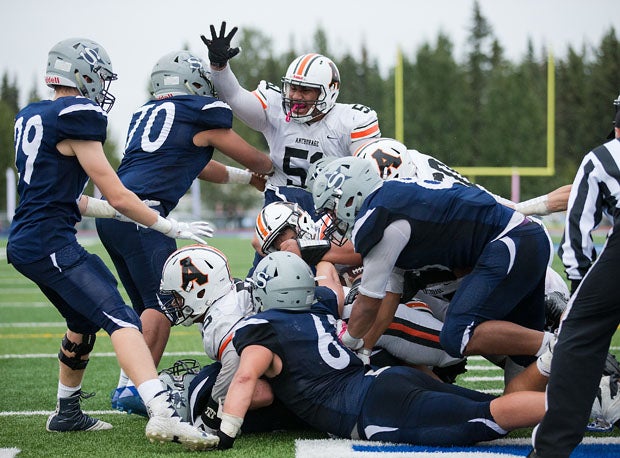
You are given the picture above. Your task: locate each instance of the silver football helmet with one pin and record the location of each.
(314, 71)
(341, 188)
(282, 280)
(390, 157)
(195, 276)
(83, 64)
(276, 217)
(316, 168)
(179, 73)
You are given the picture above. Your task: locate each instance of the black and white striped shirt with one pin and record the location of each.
(595, 191)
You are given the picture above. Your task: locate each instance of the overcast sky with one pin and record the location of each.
(137, 32)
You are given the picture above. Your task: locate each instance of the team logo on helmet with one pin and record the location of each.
(91, 56)
(191, 274)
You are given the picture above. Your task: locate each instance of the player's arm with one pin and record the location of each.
(254, 362)
(92, 158)
(235, 147)
(327, 276)
(344, 254)
(379, 265)
(555, 201)
(246, 105)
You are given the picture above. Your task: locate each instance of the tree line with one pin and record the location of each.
(482, 110)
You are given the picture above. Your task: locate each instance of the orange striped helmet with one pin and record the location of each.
(315, 71)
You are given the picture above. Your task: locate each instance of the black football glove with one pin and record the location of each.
(219, 46)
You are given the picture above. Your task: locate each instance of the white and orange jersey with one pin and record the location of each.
(222, 317)
(292, 145)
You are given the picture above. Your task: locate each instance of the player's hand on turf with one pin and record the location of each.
(219, 45)
(195, 230)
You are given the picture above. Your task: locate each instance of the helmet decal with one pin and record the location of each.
(191, 274)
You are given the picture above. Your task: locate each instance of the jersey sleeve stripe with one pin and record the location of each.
(225, 343)
(260, 98)
(368, 132)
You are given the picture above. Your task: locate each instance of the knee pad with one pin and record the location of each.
(84, 348)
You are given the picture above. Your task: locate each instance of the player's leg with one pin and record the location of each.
(509, 271)
(580, 353)
(138, 255)
(405, 405)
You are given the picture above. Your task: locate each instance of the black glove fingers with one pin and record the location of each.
(231, 35)
(223, 30)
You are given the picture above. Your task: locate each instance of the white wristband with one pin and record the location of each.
(161, 225)
(231, 424)
(238, 176)
(98, 208)
(535, 206)
(351, 342)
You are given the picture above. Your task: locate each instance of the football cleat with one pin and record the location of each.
(165, 425)
(127, 399)
(176, 379)
(606, 404)
(611, 366)
(69, 416)
(555, 304)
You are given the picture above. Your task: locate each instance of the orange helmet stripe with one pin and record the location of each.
(260, 225)
(303, 64)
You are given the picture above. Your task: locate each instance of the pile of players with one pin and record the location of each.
(378, 269)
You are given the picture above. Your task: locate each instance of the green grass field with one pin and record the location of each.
(30, 334)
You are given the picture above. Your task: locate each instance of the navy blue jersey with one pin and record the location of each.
(322, 381)
(326, 385)
(161, 160)
(50, 183)
(450, 226)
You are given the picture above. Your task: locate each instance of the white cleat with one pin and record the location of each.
(165, 425)
(607, 402)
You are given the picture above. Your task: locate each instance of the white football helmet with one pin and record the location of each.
(315, 71)
(180, 72)
(276, 217)
(341, 188)
(389, 156)
(195, 276)
(282, 280)
(83, 64)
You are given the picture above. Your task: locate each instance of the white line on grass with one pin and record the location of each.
(111, 354)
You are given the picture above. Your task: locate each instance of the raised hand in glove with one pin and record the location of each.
(194, 230)
(219, 46)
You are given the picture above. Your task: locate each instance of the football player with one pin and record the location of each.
(198, 282)
(293, 344)
(300, 119)
(400, 225)
(393, 160)
(59, 146)
(170, 142)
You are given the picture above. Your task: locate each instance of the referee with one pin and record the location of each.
(594, 308)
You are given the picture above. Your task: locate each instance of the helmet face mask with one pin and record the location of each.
(193, 278)
(85, 65)
(274, 218)
(282, 280)
(340, 190)
(181, 73)
(313, 71)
